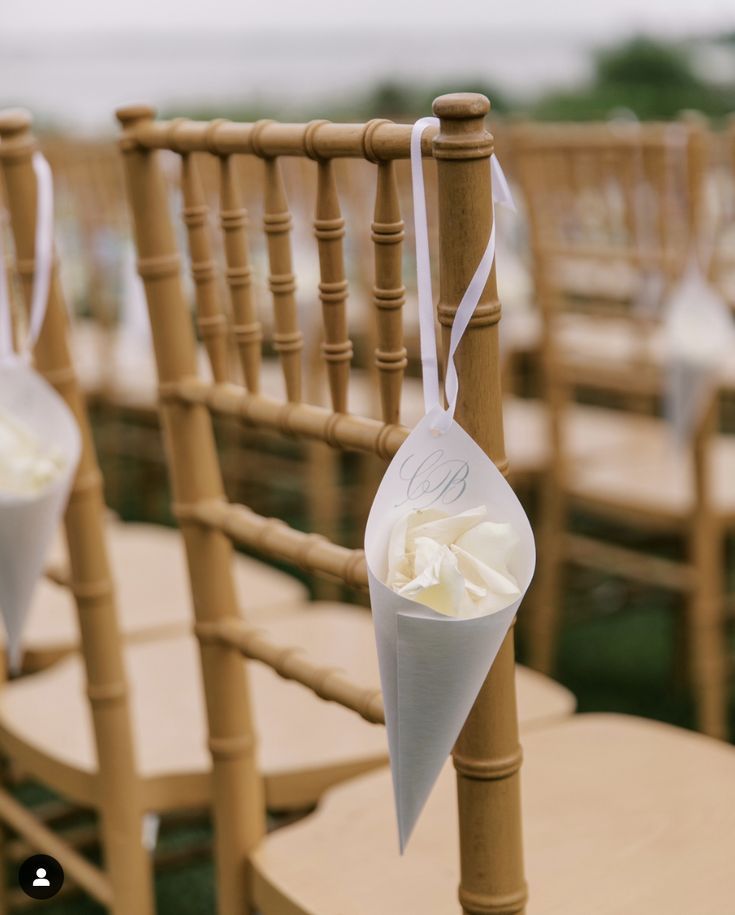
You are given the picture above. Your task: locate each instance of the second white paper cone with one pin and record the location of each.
(28, 522)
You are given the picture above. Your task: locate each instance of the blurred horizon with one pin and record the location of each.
(346, 72)
(72, 63)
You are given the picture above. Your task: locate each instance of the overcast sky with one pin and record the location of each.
(178, 54)
(574, 15)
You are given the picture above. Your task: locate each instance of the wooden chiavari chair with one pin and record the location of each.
(641, 479)
(597, 788)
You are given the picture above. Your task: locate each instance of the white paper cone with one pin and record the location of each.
(688, 386)
(698, 335)
(28, 522)
(432, 666)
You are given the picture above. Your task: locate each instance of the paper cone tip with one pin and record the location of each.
(15, 659)
(404, 834)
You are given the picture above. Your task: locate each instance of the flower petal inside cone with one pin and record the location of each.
(26, 467)
(455, 564)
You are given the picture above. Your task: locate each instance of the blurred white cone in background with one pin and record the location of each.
(698, 335)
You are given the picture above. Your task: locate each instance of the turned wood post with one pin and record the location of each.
(238, 799)
(246, 327)
(329, 231)
(389, 293)
(487, 755)
(120, 802)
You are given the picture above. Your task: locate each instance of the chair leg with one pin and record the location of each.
(706, 630)
(129, 865)
(544, 612)
(6, 864)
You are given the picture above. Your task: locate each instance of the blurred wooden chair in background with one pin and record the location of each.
(598, 788)
(622, 202)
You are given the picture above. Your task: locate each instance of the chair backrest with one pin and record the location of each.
(607, 203)
(90, 577)
(92, 223)
(616, 211)
(487, 756)
(612, 207)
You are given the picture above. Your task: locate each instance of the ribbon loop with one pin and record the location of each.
(43, 261)
(468, 304)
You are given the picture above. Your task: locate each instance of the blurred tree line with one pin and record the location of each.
(652, 78)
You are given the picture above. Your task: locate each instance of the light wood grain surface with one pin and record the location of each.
(150, 573)
(304, 744)
(620, 816)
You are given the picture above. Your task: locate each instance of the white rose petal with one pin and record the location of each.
(457, 564)
(446, 528)
(498, 590)
(25, 467)
(491, 542)
(402, 541)
(438, 584)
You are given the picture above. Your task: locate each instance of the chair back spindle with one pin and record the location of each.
(288, 340)
(389, 293)
(329, 230)
(246, 327)
(487, 756)
(210, 318)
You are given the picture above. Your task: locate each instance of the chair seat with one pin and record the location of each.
(620, 816)
(149, 567)
(520, 330)
(595, 349)
(305, 744)
(590, 432)
(644, 473)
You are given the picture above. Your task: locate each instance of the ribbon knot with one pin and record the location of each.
(43, 260)
(427, 333)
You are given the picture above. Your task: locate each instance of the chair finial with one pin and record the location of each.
(461, 105)
(129, 114)
(14, 121)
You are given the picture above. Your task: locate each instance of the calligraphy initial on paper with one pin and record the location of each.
(435, 478)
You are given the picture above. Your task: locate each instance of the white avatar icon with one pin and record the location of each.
(41, 879)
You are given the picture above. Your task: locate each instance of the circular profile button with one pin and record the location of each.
(40, 877)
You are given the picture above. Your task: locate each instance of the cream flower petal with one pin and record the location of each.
(454, 564)
(438, 584)
(402, 544)
(492, 543)
(25, 468)
(398, 566)
(500, 590)
(447, 528)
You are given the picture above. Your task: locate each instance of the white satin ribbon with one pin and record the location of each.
(466, 307)
(43, 261)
